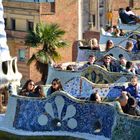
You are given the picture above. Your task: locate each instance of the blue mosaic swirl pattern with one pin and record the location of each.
(81, 88)
(87, 114)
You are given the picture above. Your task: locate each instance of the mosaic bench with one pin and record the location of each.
(82, 88)
(121, 41)
(95, 74)
(63, 113)
(83, 54)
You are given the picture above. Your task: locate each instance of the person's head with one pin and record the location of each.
(117, 32)
(129, 65)
(123, 61)
(107, 59)
(128, 9)
(121, 10)
(109, 45)
(123, 99)
(91, 59)
(95, 97)
(29, 85)
(134, 80)
(122, 33)
(132, 102)
(129, 46)
(115, 28)
(93, 43)
(120, 56)
(56, 84)
(69, 67)
(109, 29)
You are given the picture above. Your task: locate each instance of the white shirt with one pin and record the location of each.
(108, 34)
(129, 13)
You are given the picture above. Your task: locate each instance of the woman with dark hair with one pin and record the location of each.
(95, 97)
(28, 87)
(109, 45)
(56, 86)
(29, 90)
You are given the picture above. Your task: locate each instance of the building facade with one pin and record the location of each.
(79, 18)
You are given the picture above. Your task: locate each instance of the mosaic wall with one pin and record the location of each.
(60, 112)
(121, 40)
(99, 75)
(128, 27)
(95, 74)
(83, 54)
(127, 128)
(81, 88)
(63, 75)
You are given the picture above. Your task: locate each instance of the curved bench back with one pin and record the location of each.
(82, 88)
(61, 112)
(122, 40)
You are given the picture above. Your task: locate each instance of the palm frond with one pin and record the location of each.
(61, 44)
(42, 57)
(55, 56)
(33, 39)
(50, 36)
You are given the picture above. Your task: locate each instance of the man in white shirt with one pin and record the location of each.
(129, 11)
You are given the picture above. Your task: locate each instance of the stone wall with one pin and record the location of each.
(66, 15)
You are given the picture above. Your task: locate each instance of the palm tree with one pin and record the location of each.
(47, 37)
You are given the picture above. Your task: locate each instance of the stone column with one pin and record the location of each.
(80, 19)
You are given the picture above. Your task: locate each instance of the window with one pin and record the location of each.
(5, 22)
(13, 24)
(93, 20)
(22, 55)
(30, 25)
(52, 6)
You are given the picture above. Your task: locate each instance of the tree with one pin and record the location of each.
(46, 37)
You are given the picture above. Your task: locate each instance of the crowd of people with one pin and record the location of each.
(130, 97)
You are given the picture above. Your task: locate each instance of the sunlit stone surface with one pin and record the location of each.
(4, 50)
(8, 66)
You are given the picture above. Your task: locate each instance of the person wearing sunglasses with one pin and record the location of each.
(28, 87)
(55, 86)
(30, 90)
(107, 64)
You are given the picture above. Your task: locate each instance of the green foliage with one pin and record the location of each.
(49, 36)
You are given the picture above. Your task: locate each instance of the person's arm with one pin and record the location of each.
(23, 92)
